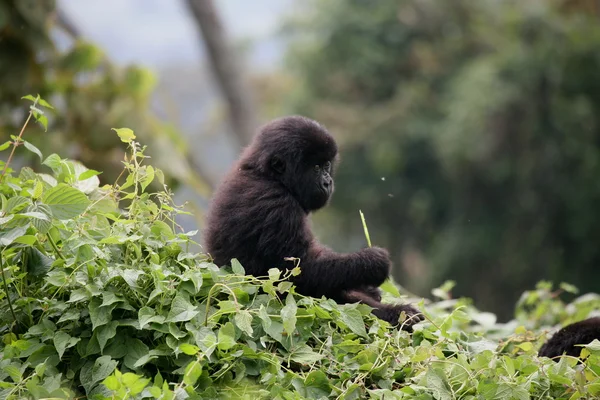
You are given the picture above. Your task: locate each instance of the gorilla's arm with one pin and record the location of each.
(284, 233)
(328, 273)
(565, 340)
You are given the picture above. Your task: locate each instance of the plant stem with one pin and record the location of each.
(15, 144)
(55, 247)
(10, 306)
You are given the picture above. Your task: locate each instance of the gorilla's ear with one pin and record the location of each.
(277, 165)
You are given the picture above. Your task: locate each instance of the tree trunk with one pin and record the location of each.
(225, 66)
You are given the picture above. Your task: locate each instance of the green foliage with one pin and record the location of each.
(106, 299)
(91, 93)
(470, 136)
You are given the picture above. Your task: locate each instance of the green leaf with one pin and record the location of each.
(88, 174)
(437, 383)
(288, 314)
(105, 333)
(125, 134)
(43, 225)
(103, 367)
(135, 384)
(33, 149)
(237, 267)
(317, 385)
(13, 372)
(53, 161)
(44, 103)
(136, 349)
(42, 119)
(148, 177)
(354, 320)
(192, 372)
(38, 264)
(243, 320)
(304, 354)
(226, 337)
(181, 310)
(63, 341)
(31, 98)
(65, 201)
(8, 236)
(189, 349)
(389, 287)
(5, 145)
(99, 315)
(147, 315)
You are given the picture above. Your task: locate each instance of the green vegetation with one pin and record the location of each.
(482, 118)
(103, 297)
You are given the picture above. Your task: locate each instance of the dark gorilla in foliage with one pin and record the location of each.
(565, 340)
(260, 215)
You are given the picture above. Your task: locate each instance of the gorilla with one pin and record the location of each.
(260, 215)
(565, 340)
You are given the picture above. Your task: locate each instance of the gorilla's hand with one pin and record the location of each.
(391, 314)
(379, 264)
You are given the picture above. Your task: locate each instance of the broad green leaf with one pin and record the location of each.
(16, 204)
(192, 372)
(437, 383)
(304, 354)
(41, 224)
(148, 177)
(389, 287)
(53, 161)
(181, 310)
(226, 336)
(354, 320)
(237, 267)
(31, 98)
(103, 367)
(5, 145)
(288, 314)
(112, 383)
(147, 315)
(42, 119)
(135, 384)
(63, 341)
(8, 236)
(33, 149)
(65, 202)
(125, 134)
(189, 349)
(88, 174)
(136, 349)
(38, 264)
(99, 315)
(243, 320)
(105, 333)
(44, 103)
(317, 385)
(38, 189)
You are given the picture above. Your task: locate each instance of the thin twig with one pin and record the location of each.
(16, 143)
(12, 311)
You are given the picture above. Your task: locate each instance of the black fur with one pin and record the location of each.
(564, 341)
(260, 215)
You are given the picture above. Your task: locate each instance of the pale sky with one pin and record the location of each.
(158, 33)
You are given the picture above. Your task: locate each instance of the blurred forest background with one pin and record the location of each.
(470, 130)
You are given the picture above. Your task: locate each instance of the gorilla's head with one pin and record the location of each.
(299, 153)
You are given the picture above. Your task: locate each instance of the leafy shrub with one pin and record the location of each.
(104, 297)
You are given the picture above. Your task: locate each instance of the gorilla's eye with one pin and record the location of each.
(317, 168)
(328, 165)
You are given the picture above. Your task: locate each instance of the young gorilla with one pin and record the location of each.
(259, 215)
(565, 340)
